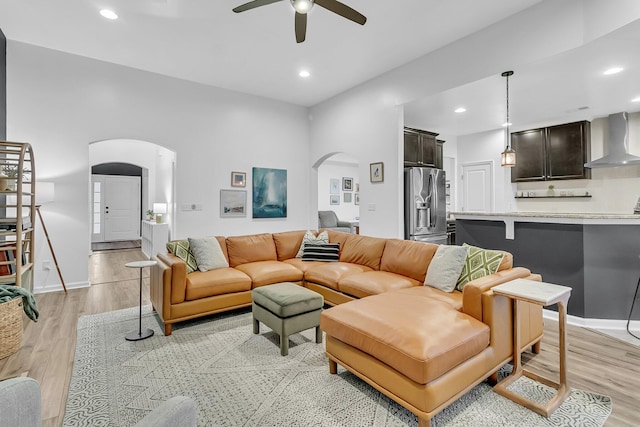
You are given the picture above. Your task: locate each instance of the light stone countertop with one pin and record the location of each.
(509, 218)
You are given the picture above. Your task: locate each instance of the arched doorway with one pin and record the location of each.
(339, 186)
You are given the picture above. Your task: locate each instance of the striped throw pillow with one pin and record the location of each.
(321, 252)
(309, 237)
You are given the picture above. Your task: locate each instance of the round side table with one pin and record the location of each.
(140, 334)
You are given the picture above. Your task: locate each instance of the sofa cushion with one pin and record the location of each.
(310, 237)
(269, 272)
(208, 253)
(419, 337)
(362, 250)
(324, 252)
(246, 249)
(454, 299)
(288, 243)
(479, 263)
(182, 250)
(445, 267)
(407, 258)
(362, 285)
(301, 265)
(330, 273)
(216, 282)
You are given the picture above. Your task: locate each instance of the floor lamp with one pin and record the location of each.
(45, 193)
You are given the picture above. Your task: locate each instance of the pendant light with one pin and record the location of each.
(509, 154)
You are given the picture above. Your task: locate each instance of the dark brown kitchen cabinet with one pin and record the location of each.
(439, 156)
(552, 153)
(419, 147)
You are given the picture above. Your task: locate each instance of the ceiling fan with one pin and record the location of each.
(304, 6)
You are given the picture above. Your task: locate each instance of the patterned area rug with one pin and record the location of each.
(239, 379)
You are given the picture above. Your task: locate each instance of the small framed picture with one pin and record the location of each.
(347, 184)
(334, 186)
(346, 197)
(356, 199)
(376, 172)
(357, 187)
(233, 203)
(334, 199)
(238, 179)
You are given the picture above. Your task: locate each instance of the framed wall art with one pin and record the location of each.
(356, 199)
(334, 199)
(347, 197)
(269, 193)
(347, 184)
(376, 172)
(233, 203)
(238, 179)
(334, 186)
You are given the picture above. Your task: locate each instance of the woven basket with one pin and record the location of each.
(10, 327)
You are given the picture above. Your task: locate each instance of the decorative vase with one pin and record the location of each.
(4, 182)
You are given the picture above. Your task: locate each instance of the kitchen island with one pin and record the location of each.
(596, 254)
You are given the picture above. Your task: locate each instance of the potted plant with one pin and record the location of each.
(9, 171)
(150, 214)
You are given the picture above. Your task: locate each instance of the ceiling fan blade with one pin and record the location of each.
(253, 5)
(342, 10)
(301, 27)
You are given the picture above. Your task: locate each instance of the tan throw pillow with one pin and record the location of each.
(181, 249)
(480, 262)
(309, 237)
(445, 267)
(208, 253)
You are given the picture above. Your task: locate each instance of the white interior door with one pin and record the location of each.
(116, 208)
(477, 187)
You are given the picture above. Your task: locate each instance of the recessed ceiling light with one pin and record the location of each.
(504, 125)
(109, 14)
(460, 110)
(613, 70)
(636, 99)
(304, 73)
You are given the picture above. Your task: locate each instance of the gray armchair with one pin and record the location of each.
(329, 219)
(20, 406)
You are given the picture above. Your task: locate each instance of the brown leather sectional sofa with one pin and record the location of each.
(388, 346)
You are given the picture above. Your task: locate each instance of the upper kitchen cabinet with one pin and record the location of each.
(552, 153)
(420, 148)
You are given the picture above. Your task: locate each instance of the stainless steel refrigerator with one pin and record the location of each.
(425, 216)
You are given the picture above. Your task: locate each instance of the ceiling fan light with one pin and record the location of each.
(302, 6)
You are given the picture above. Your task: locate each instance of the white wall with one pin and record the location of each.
(613, 190)
(337, 170)
(367, 120)
(60, 103)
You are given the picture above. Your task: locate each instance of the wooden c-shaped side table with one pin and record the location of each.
(543, 294)
(140, 334)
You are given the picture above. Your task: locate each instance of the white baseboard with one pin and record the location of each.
(593, 323)
(58, 287)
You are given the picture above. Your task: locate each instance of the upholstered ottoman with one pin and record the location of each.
(286, 308)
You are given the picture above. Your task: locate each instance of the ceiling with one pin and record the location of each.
(255, 51)
(561, 89)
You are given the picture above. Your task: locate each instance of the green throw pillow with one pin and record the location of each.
(480, 262)
(182, 250)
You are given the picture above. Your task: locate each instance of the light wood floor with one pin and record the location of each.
(596, 362)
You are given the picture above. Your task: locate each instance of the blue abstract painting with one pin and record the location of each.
(269, 193)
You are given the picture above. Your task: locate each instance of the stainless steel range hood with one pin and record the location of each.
(618, 145)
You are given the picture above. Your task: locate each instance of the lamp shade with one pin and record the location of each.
(45, 192)
(159, 208)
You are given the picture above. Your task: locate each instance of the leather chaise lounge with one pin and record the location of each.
(420, 346)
